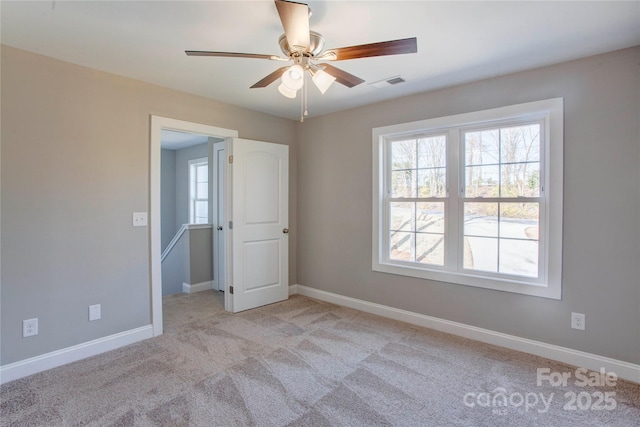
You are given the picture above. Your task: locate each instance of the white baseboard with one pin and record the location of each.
(197, 287)
(33, 365)
(624, 370)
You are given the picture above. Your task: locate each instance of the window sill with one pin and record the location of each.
(522, 287)
(197, 226)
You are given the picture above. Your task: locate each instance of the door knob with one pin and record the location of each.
(219, 228)
(285, 231)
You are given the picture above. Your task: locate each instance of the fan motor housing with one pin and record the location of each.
(315, 46)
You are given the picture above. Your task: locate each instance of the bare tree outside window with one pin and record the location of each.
(418, 172)
(502, 178)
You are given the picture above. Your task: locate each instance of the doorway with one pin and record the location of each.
(187, 260)
(255, 198)
(157, 125)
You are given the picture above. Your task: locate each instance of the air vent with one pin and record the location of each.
(390, 81)
(396, 80)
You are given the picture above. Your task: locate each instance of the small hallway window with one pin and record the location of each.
(199, 191)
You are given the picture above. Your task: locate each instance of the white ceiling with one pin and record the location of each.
(457, 42)
(174, 140)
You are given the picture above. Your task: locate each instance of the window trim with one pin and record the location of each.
(192, 164)
(551, 110)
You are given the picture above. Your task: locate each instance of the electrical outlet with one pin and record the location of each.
(577, 321)
(29, 327)
(94, 312)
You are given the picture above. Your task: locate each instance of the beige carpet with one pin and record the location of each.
(307, 363)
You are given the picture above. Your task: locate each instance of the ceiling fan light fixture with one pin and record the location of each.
(293, 78)
(285, 91)
(323, 80)
(306, 48)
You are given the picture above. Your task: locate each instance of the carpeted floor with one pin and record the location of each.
(304, 362)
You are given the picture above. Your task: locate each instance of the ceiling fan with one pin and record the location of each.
(305, 49)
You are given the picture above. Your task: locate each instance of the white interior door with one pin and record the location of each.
(259, 215)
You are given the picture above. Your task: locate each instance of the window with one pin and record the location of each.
(199, 191)
(473, 199)
(417, 199)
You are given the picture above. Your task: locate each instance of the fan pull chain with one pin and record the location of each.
(303, 100)
(306, 98)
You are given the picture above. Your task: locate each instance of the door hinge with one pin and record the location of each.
(231, 159)
(230, 225)
(231, 290)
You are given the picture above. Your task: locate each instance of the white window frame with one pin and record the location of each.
(193, 164)
(549, 282)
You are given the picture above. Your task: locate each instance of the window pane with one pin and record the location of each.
(519, 257)
(481, 219)
(203, 173)
(202, 191)
(520, 180)
(403, 183)
(430, 217)
(482, 147)
(520, 144)
(401, 246)
(192, 182)
(482, 181)
(402, 216)
(403, 154)
(432, 152)
(430, 248)
(481, 253)
(202, 209)
(519, 220)
(432, 182)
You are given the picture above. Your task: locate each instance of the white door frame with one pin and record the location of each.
(155, 245)
(217, 207)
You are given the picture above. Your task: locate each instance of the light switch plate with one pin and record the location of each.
(94, 312)
(139, 219)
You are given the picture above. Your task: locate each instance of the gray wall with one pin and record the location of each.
(200, 255)
(76, 141)
(601, 275)
(189, 261)
(176, 268)
(174, 199)
(167, 196)
(182, 180)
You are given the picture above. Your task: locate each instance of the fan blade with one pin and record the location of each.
(234, 55)
(295, 21)
(342, 77)
(393, 47)
(270, 78)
